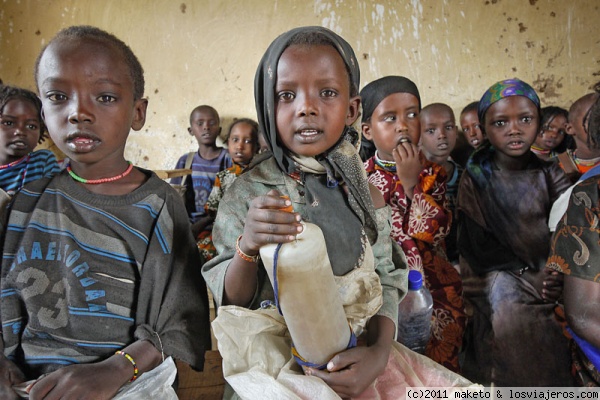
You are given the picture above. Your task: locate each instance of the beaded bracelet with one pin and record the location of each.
(244, 256)
(132, 361)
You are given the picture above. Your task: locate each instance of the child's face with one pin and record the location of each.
(240, 144)
(511, 125)
(575, 127)
(552, 134)
(87, 100)
(205, 127)
(20, 129)
(438, 133)
(469, 123)
(312, 99)
(395, 118)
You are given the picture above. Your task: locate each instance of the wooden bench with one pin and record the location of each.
(206, 385)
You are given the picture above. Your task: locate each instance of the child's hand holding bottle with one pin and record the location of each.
(269, 220)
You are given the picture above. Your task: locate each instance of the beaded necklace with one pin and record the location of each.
(23, 173)
(387, 165)
(12, 164)
(102, 180)
(539, 150)
(586, 162)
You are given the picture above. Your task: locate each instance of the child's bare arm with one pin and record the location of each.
(10, 375)
(351, 372)
(408, 166)
(99, 380)
(265, 224)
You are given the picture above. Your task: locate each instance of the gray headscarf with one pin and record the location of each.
(341, 164)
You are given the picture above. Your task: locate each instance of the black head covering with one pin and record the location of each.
(342, 163)
(376, 91)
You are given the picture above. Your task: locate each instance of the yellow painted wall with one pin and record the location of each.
(199, 51)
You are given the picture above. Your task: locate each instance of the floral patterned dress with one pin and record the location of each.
(420, 227)
(223, 180)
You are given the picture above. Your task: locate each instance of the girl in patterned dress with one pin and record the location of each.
(415, 188)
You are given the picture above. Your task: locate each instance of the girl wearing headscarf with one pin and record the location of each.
(306, 91)
(415, 189)
(504, 201)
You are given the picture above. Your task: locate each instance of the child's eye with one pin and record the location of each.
(56, 97)
(329, 93)
(389, 118)
(465, 130)
(247, 141)
(106, 98)
(285, 96)
(412, 115)
(449, 127)
(32, 127)
(498, 123)
(430, 131)
(527, 120)
(7, 123)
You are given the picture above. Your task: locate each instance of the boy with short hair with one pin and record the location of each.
(576, 162)
(438, 138)
(205, 126)
(100, 276)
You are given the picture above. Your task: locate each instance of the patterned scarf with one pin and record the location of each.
(503, 89)
(340, 177)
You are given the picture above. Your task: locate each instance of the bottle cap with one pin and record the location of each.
(415, 280)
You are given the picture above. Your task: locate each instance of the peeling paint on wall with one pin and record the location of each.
(206, 52)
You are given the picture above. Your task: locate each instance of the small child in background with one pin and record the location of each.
(438, 138)
(415, 189)
(205, 126)
(21, 130)
(242, 143)
(100, 275)
(505, 195)
(471, 126)
(578, 161)
(552, 138)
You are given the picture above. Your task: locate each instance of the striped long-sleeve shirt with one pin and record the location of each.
(85, 274)
(36, 165)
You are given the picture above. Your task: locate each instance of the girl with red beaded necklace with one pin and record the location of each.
(21, 129)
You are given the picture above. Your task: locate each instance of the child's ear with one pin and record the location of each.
(139, 114)
(365, 127)
(353, 110)
(569, 129)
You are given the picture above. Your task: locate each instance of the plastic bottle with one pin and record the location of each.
(414, 315)
(308, 295)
